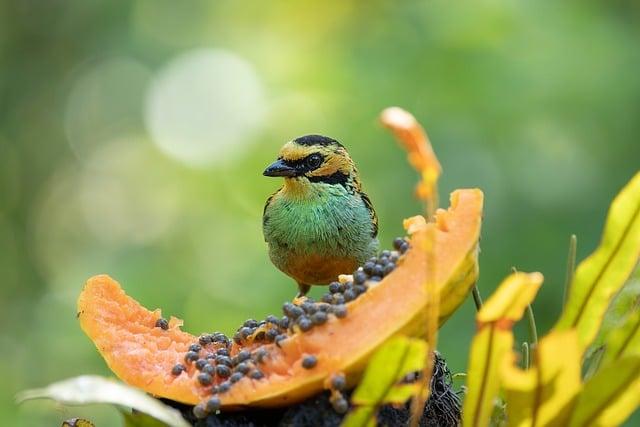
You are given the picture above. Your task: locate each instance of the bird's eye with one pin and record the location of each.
(314, 160)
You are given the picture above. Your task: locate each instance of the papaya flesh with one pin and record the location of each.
(296, 364)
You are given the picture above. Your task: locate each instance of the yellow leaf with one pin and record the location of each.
(542, 395)
(610, 396)
(624, 341)
(599, 277)
(493, 342)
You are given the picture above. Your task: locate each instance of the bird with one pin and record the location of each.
(320, 223)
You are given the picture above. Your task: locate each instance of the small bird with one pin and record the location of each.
(320, 223)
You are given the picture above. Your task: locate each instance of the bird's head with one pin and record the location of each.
(314, 158)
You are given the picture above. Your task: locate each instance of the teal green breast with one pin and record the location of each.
(326, 224)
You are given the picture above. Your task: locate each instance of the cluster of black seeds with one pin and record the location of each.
(218, 370)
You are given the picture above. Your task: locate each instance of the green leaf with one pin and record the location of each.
(391, 363)
(395, 359)
(140, 420)
(611, 396)
(89, 389)
(599, 277)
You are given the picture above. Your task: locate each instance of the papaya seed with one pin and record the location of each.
(359, 277)
(284, 322)
(368, 267)
(272, 319)
(250, 323)
(205, 339)
(340, 311)
(223, 360)
(177, 369)
(259, 355)
(404, 247)
(235, 377)
(222, 352)
(319, 317)
(338, 382)
(397, 242)
(338, 299)
(375, 278)
(328, 298)
(195, 348)
(280, 338)
(245, 332)
(200, 411)
(213, 404)
(223, 371)
(360, 289)
(242, 367)
(305, 323)
(309, 307)
(200, 363)
(340, 405)
(224, 387)
(209, 369)
(256, 374)
(309, 362)
(385, 253)
(241, 356)
(191, 356)
(394, 257)
(378, 270)
(389, 268)
(162, 324)
(335, 287)
(204, 378)
(349, 295)
(271, 334)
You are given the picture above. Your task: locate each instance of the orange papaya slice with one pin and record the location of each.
(261, 369)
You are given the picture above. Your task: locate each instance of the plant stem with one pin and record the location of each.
(571, 268)
(477, 299)
(526, 362)
(533, 331)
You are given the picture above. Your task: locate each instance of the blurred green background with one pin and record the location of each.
(133, 136)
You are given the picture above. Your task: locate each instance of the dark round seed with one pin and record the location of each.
(309, 307)
(201, 363)
(338, 299)
(223, 371)
(375, 278)
(335, 287)
(191, 356)
(259, 355)
(242, 356)
(243, 368)
(214, 389)
(272, 319)
(223, 360)
(204, 378)
(378, 270)
(271, 334)
(162, 324)
(256, 374)
(213, 404)
(328, 298)
(296, 312)
(305, 323)
(340, 405)
(324, 307)
(284, 322)
(340, 311)
(224, 387)
(222, 352)
(368, 267)
(200, 411)
(373, 259)
(280, 338)
(210, 356)
(389, 268)
(338, 382)
(383, 260)
(360, 289)
(251, 323)
(195, 347)
(245, 331)
(309, 362)
(177, 369)
(397, 242)
(404, 247)
(319, 317)
(385, 253)
(394, 257)
(219, 337)
(205, 339)
(359, 277)
(237, 338)
(209, 369)
(235, 377)
(349, 295)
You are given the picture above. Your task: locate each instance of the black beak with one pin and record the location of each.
(279, 168)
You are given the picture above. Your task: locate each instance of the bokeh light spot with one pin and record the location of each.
(205, 106)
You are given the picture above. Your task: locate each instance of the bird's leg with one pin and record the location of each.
(302, 292)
